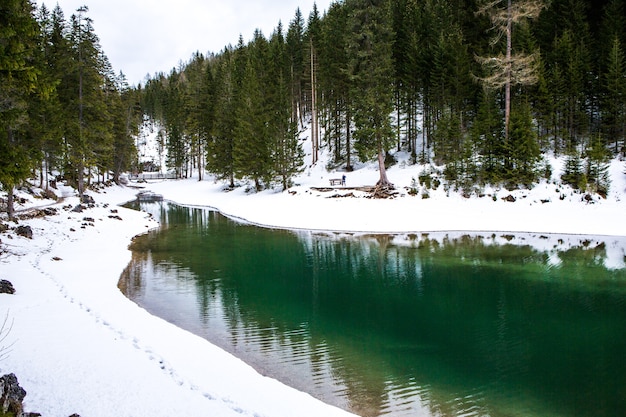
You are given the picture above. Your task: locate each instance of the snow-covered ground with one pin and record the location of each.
(77, 345)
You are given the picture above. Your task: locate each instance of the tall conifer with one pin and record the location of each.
(371, 69)
(18, 80)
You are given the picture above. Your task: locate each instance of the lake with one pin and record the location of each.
(428, 324)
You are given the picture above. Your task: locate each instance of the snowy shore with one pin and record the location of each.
(79, 346)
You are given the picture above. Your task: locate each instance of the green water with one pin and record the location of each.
(399, 326)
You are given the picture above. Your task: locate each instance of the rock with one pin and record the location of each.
(87, 199)
(6, 287)
(49, 194)
(509, 198)
(11, 396)
(24, 231)
(3, 227)
(50, 211)
(78, 209)
(89, 219)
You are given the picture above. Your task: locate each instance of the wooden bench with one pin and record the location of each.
(336, 181)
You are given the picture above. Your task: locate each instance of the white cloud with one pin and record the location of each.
(143, 37)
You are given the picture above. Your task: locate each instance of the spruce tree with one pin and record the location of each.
(486, 133)
(174, 120)
(598, 158)
(334, 84)
(84, 91)
(44, 110)
(286, 154)
(18, 80)
(220, 146)
(614, 97)
(573, 173)
(295, 56)
(525, 153)
(126, 122)
(250, 151)
(371, 74)
(313, 40)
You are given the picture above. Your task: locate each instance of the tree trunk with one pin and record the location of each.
(200, 167)
(46, 172)
(398, 115)
(10, 208)
(81, 179)
(383, 181)
(314, 122)
(507, 85)
(348, 147)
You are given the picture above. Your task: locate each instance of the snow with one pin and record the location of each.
(77, 345)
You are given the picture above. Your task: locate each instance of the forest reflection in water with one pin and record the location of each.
(424, 324)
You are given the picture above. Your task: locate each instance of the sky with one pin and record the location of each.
(144, 37)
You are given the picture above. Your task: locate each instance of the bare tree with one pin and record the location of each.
(509, 69)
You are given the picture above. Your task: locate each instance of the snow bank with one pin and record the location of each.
(547, 208)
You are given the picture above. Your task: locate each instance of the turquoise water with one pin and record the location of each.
(432, 325)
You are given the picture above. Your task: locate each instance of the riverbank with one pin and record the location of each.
(548, 208)
(79, 346)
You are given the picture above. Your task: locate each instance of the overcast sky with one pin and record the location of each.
(143, 37)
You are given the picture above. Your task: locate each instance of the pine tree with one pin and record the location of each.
(525, 153)
(286, 154)
(250, 150)
(295, 54)
(126, 122)
(614, 98)
(573, 173)
(83, 91)
(566, 43)
(334, 84)
(372, 81)
(486, 133)
(174, 121)
(198, 109)
(18, 80)
(44, 110)
(598, 158)
(313, 35)
(220, 146)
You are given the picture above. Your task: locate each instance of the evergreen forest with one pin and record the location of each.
(481, 90)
